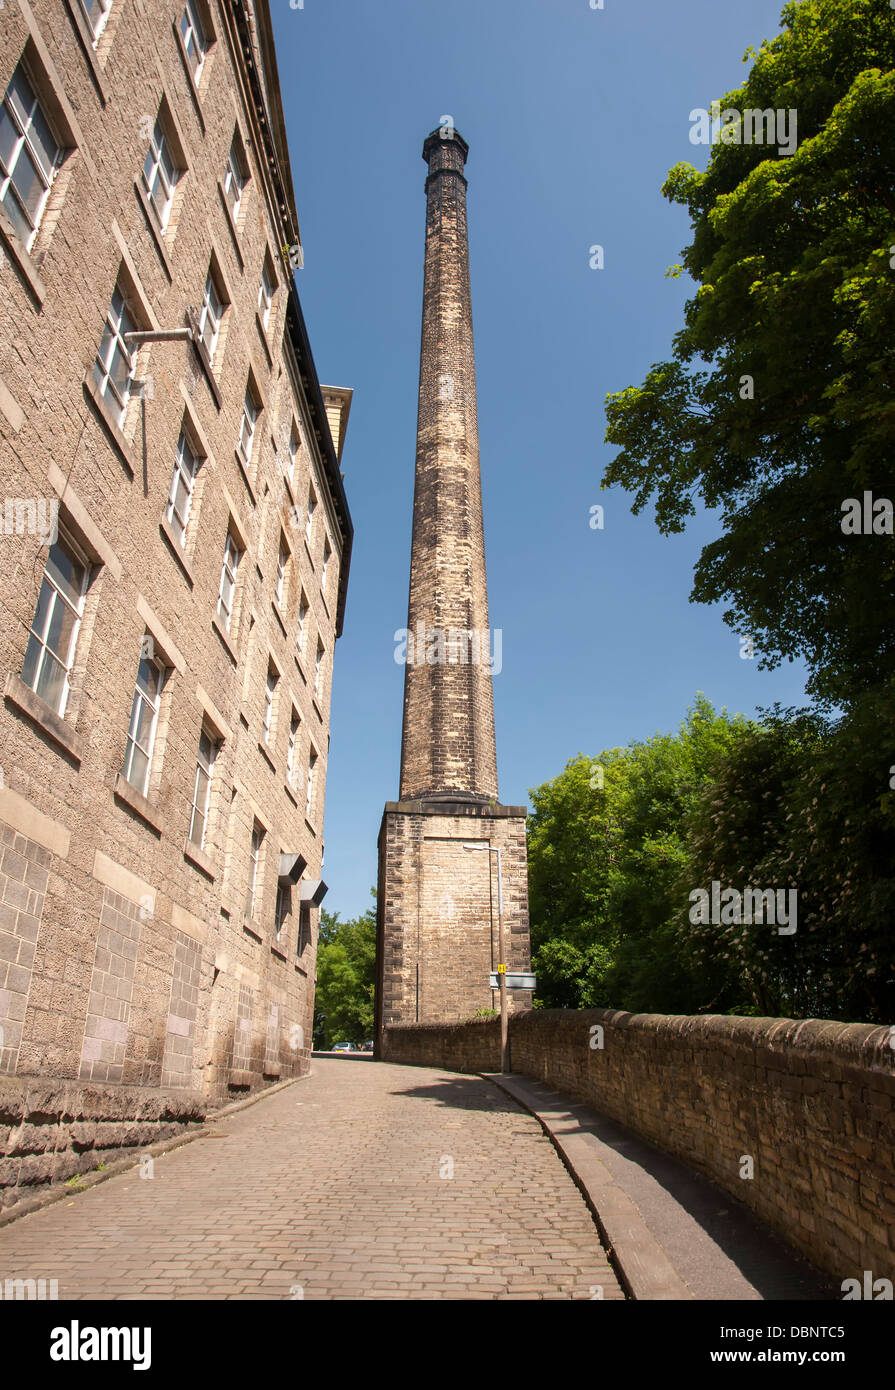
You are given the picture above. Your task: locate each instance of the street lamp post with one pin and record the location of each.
(501, 963)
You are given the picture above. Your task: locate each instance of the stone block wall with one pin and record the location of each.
(811, 1104)
(51, 1131)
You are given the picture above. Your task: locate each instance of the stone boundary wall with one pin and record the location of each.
(51, 1131)
(812, 1103)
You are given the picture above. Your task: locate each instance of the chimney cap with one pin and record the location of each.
(444, 135)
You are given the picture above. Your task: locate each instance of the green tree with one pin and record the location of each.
(792, 257)
(346, 974)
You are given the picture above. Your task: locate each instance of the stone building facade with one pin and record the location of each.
(440, 901)
(174, 553)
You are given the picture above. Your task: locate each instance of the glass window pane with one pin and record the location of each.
(66, 572)
(9, 137)
(44, 145)
(62, 625)
(21, 94)
(44, 608)
(148, 678)
(16, 215)
(29, 184)
(51, 685)
(32, 660)
(138, 769)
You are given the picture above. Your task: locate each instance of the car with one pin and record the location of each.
(367, 1046)
(343, 1047)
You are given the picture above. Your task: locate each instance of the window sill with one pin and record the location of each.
(301, 970)
(300, 668)
(325, 605)
(232, 225)
(243, 468)
(262, 749)
(194, 90)
(86, 38)
(279, 617)
(310, 827)
(291, 794)
(22, 258)
(138, 803)
(225, 640)
(275, 951)
(310, 556)
(200, 859)
(250, 931)
(123, 448)
(157, 234)
(168, 535)
(17, 693)
(262, 333)
(317, 710)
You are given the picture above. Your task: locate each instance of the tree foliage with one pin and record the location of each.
(346, 974)
(792, 257)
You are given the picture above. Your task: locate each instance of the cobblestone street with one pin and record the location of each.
(363, 1181)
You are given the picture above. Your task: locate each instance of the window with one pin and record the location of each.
(304, 928)
(265, 293)
(312, 507)
(210, 316)
(284, 902)
(202, 789)
(235, 178)
(312, 766)
(302, 622)
(294, 446)
(193, 34)
(327, 552)
(50, 653)
(250, 413)
(270, 691)
(291, 769)
(186, 466)
(115, 363)
(232, 555)
(318, 667)
(96, 12)
(254, 861)
(29, 157)
(160, 173)
(144, 721)
(282, 565)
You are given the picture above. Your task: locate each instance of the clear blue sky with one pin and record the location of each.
(573, 117)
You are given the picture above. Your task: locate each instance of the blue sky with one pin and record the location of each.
(573, 116)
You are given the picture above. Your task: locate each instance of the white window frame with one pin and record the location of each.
(248, 426)
(282, 570)
(312, 767)
(212, 311)
(294, 730)
(294, 446)
(254, 862)
(318, 666)
(327, 556)
(142, 697)
(119, 321)
(96, 29)
(194, 30)
(303, 610)
(23, 124)
(160, 147)
(188, 475)
(266, 291)
(312, 507)
(229, 570)
(235, 176)
(270, 695)
(46, 652)
(204, 765)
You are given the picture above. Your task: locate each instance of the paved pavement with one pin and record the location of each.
(364, 1180)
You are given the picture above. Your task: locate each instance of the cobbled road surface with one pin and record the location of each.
(364, 1180)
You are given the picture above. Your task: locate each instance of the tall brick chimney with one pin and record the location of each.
(438, 902)
(448, 748)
